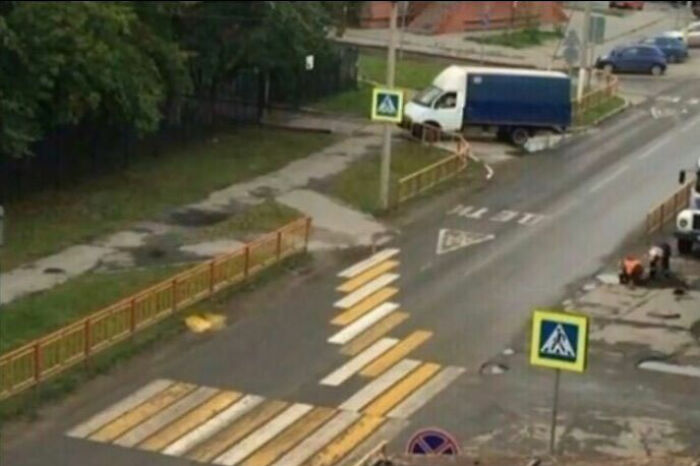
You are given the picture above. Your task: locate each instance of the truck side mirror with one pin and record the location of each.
(681, 177)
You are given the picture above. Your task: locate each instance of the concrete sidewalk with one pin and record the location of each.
(337, 226)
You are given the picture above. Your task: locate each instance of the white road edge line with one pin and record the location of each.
(356, 364)
(658, 366)
(598, 186)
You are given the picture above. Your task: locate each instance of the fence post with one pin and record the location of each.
(211, 277)
(37, 362)
(87, 338)
(279, 245)
(246, 262)
(307, 233)
(174, 294)
(132, 316)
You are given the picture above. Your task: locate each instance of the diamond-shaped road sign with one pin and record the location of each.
(387, 105)
(452, 240)
(559, 340)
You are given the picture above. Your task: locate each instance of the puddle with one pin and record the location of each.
(197, 217)
(54, 271)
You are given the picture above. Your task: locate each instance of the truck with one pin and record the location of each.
(513, 103)
(688, 221)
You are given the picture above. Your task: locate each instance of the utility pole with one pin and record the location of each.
(583, 69)
(386, 147)
(403, 27)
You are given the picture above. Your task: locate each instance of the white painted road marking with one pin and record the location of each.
(368, 263)
(213, 425)
(363, 323)
(529, 219)
(504, 216)
(424, 394)
(314, 443)
(598, 186)
(165, 417)
(116, 410)
(452, 240)
(366, 290)
(356, 364)
(658, 366)
(261, 436)
(375, 388)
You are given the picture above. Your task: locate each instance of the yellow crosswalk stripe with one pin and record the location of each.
(401, 390)
(347, 441)
(391, 357)
(236, 431)
(131, 419)
(374, 333)
(189, 421)
(363, 307)
(367, 276)
(290, 437)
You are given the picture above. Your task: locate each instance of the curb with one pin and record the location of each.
(610, 114)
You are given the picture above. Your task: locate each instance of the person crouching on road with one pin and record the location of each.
(631, 271)
(660, 260)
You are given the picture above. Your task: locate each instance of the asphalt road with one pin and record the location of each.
(554, 217)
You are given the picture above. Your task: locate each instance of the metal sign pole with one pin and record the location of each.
(555, 406)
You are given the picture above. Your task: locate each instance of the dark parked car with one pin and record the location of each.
(633, 58)
(674, 50)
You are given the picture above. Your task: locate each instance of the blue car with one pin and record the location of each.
(640, 58)
(674, 50)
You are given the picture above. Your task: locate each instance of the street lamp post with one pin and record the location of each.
(385, 169)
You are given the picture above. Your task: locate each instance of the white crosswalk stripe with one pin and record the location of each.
(368, 263)
(363, 323)
(367, 290)
(379, 385)
(425, 393)
(356, 364)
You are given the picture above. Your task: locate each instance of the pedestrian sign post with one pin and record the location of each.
(387, 105)
(560, 342)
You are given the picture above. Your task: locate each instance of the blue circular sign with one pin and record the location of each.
(432, 442)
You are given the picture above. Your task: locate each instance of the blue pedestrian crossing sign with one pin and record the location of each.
(559, 340)
(387, 105)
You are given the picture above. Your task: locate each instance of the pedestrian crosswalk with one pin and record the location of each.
(226, 427)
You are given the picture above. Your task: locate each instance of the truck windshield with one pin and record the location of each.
(427, 96)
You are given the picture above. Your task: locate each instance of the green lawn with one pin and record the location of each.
(519, 39)
(47, 222)
(33, 316)
(411, 75)
(358, 185)
(265, 217)
(593, 114)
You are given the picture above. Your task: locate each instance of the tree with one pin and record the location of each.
(65, 62)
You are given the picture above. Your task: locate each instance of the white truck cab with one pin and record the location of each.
(688, 221)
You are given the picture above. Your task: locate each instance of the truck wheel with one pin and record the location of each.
(519, 136)
(685, 247)
(431, 132)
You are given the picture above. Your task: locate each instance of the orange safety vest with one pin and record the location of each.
(631, 265)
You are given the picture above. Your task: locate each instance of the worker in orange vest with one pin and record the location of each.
(631, 270)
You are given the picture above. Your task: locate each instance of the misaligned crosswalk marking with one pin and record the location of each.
(236, 431)
(366, 290)
(263, 435)
(350, 368)
(374, 333)
(388, 359)
(290, 437)
(370, 274)
(176, 410)
(213, 425)
(425, 393)
(401, 390)
(362, 324)
(142, 412)
(323, 435)
(368, 263)
(119, 408)
(365, 306)
(190, 421)
(375, 388)
(343, 444)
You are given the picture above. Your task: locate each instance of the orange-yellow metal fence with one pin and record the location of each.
(426, 178)
(595, 97)
(44, 357)
(666, 212)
